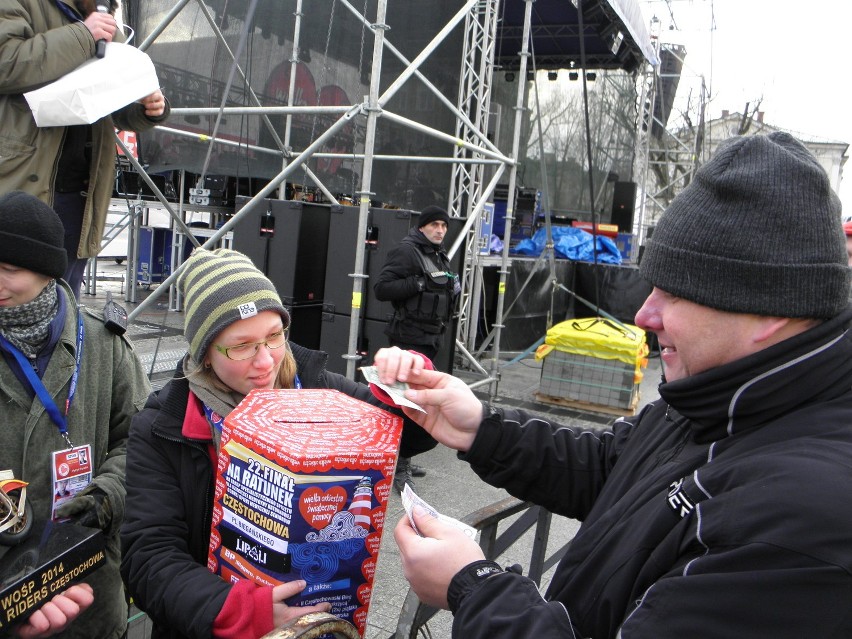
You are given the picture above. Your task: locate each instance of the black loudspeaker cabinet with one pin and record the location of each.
(306, 324)
(623, 202)
(335, 342)
(621, 289)
(385, 229)
(288, 241)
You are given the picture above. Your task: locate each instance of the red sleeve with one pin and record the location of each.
(383, 397)
(247, 613)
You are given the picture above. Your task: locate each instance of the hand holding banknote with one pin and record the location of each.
(410, 501)
(433, 549)
(395, 390)
(452, 412)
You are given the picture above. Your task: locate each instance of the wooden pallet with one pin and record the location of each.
(595, 408)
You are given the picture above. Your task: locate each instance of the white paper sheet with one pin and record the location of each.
(96, 88)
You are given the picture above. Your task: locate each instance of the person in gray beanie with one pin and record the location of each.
(757, 231)
(68, 388)
(237, 331)
(722, 508)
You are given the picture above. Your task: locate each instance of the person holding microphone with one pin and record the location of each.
(70, 168)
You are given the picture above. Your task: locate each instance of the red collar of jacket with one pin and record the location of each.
(195, 424)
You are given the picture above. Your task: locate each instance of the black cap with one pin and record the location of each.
(31, 235)
(432, 214)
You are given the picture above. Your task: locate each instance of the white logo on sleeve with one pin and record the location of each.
(247, 310)
(678, 500)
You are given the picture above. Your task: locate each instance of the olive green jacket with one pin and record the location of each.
(111, 388)
(39, 44)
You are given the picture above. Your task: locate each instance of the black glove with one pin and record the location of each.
(90, 509)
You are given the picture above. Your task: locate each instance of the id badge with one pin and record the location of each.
(72, 472)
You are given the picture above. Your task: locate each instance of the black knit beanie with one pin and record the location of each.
(432, 214)
(757, 231)
(220, 287)
(31, 235)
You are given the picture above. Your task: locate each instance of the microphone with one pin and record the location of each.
(100, 45)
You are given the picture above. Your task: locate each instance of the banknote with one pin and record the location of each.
(410, 500)
(395, 390)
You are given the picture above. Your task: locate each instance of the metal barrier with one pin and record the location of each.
(415, 614)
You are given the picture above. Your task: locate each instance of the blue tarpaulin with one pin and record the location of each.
(570, 243)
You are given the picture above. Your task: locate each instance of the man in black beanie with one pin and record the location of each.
(723, 508)
(417, 280)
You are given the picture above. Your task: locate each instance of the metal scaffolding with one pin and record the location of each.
(473, 152)
(671, 133)
(477, 149)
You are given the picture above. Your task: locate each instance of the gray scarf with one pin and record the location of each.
(221, 401)
(27, 326)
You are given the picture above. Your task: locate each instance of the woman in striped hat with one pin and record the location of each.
(236, 327)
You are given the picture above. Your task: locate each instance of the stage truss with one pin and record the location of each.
(477, 164)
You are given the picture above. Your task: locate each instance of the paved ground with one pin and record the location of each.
(449, 486)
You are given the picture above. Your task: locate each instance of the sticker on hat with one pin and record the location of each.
(247, 310)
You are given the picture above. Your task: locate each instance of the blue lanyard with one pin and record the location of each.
(38, 386)
(213, 418)
(68, 11)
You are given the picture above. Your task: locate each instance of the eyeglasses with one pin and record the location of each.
(249, 349)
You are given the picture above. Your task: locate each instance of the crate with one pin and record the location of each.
(589, 380)
(624, 242)
(155, 255)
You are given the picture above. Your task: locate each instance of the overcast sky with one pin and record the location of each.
(793, 55)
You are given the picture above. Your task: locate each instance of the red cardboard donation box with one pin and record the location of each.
(302, 484)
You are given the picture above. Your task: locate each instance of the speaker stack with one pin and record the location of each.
(623, 202)
(288, 241)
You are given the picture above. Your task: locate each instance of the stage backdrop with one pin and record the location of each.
(334, 67)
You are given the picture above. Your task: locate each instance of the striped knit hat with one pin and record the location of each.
(220, 287)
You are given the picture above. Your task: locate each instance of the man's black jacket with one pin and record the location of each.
(721, 510)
